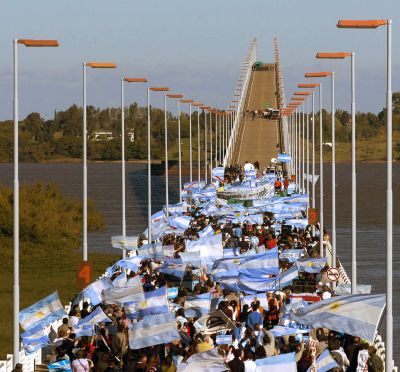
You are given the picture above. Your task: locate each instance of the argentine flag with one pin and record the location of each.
(95, 317)
(62, 365)
(207, 231)
(284, 279)
(196, 306)
(311, 265)
(42, 313)
(120, 280)
(153, 330)
(156, 302)
(356, 315)
(118, 295)
(279, 363)
(34, 339)
(324, 362)
(261, 264)
(173, 269)
(94, 290)
(254, 284)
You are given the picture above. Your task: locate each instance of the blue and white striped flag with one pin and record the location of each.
(285, 279)
(42, 313)
(253, 284)
(95, 317)
(311, 265)
(153, 330)
(279, 363)
(284, 158)
(94, 290)
(62, 365)
(124, 242)
(325, 362)
(260, 264)
(34, 339)
(85, 331)
(356, 315)
(118, 295)
(196, 306)
(209, 246)
(120, 280)
(156, 302)
(207, 231)
(173, 269)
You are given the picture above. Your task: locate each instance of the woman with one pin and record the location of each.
(80, 364)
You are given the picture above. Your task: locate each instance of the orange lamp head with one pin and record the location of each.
(197, 104)
(186, 100)
(308, 85)
(317, 74)
(301, 93)
(349, 23)
(101, 64)
(135, 80)
(174, 95)
(340, 55)
(38, 43)
(159, 89)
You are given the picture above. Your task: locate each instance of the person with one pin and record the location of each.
(18, 368)
(202, 345)
(236, 364)
(278, 185)
(254, 317)
(286, 183)
(119, 342)
(375, 363)
(85, 310)
(80, 364)
(63, 329)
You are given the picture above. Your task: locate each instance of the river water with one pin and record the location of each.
(104, 188)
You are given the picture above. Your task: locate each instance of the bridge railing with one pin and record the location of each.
(240, 107)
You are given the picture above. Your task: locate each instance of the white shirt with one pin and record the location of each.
(250, 366)
(248, 166)
(73, 322)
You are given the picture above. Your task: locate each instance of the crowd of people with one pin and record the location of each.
(252, 333)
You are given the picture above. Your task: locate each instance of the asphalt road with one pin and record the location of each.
(258, 138)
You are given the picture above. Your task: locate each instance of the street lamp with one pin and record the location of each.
(27, 43)
(372, 24)
(127, 80)
(204, 108)
(101, 65)
(153, 89)
(332, 75)
(178, 97)
(189, 101)
(308, 86)
(294, 106)
(343, 55)
(198, 105)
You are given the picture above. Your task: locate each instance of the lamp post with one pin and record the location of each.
(27, 43)
(332, 75)
(178, 97)
(123, 172)
(300, 101)
(308, 86)
(373, 24)
(204, 108)
(198, 105)
(101, 65)
(153, 89)
(211, 142)
(343, 55)
(189, 101)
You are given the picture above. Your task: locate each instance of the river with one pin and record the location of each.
(104, 185)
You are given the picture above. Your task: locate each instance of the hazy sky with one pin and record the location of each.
(195, 47)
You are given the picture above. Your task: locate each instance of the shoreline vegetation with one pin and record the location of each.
(50, 241)
(60, 139)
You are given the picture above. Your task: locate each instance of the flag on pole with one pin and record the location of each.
(42, 313)
(279, 363)
(260, 264)
(95, 317)
(311, 265)
(196, 306)
(325, 362)
(356, 315)
(153, 330)
(62, 365)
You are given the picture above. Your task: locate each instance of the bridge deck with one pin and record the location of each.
(258, 138)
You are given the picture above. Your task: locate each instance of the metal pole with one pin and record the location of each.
(216, 139)
(16, 213)
(84, 134)
(308, 148)
(353, 182)
(205, 146)
(148, 167)
(198, 147)
(211, 144)
(179, 151)
(333, 175)
(123, 163)
(313, 152)
(321, 177)
(166, 155)
(303, 149)
(389, 211)
(190, 144)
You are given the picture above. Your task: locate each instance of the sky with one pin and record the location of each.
(194, 47)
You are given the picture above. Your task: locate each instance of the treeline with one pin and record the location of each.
(61, 137)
